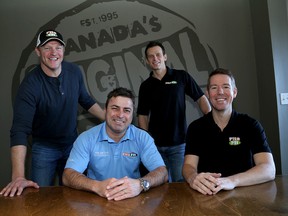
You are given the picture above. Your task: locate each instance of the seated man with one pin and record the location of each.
(112, 151)
(225, 149)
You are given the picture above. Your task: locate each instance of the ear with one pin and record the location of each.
(37, 51)
(235, 91)
(165, 57)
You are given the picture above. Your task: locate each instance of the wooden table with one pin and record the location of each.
(169, 199)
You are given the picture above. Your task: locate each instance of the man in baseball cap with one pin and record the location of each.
(49, 35)
(46, 107)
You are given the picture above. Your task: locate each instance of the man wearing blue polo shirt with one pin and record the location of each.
(111, 154)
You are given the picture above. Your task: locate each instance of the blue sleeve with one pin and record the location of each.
(85, 100)
(80, 154)
(23, 112)
(150, 155)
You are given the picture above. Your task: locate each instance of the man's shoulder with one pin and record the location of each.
(33, 78)
(138, 132)
(147, 83)
(202, 121)
(135, 128)
(243, 117)
(176, 72)
(70, 66)
(91, 132)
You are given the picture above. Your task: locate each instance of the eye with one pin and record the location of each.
(127, 111)
(114, 108)
(213, 87)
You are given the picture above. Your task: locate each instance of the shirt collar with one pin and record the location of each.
(103, 136)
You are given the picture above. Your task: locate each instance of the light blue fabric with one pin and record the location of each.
(105, 159)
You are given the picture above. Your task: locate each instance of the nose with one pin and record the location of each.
(120, 113)
(53, 51)
(153, 57)
(220, 90)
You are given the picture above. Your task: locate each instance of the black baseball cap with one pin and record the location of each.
(49, 35)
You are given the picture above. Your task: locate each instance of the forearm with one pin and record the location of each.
(143, 122)
(263, 171)
(18, 155)
(157, 176)
(97, 111)
(204, 104)
(189, 173)
(74, 179)
(256, 175)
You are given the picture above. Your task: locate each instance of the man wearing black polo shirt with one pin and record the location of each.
(226, 149)
(161, 107)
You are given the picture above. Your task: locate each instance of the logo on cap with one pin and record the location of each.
(49, 35)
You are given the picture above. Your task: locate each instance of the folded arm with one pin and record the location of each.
(263, 171)
(212, 183)
(113, 189)
(126, 187)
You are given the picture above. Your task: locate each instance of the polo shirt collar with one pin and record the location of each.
(168, 72)
(103, 136)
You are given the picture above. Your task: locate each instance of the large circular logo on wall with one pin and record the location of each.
(107, 40)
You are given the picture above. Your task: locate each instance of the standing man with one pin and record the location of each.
(226, 149)
(46, 107)
(111, 153)
(162, 107)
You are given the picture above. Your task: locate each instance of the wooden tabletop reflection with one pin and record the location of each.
(169, 199)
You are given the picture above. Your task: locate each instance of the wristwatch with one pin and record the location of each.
(144, 184)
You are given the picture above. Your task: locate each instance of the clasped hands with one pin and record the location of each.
(211, 183)
(119, 189)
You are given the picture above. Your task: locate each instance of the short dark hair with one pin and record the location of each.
(223, 72)
(120, 91)
(153, 44)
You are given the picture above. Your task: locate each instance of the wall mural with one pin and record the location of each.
(107, 40)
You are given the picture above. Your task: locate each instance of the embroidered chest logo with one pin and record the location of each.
(101, 154)
(233, 141)
(131, 154)
(171, 83)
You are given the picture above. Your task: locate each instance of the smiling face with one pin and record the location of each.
(221, 92)
(155, 58)
(119, 115)
(51, 56)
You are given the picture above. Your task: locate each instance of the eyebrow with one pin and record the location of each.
(120, 107)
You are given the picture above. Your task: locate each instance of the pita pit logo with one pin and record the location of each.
(107, 40)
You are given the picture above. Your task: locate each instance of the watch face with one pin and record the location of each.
(145, 184)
